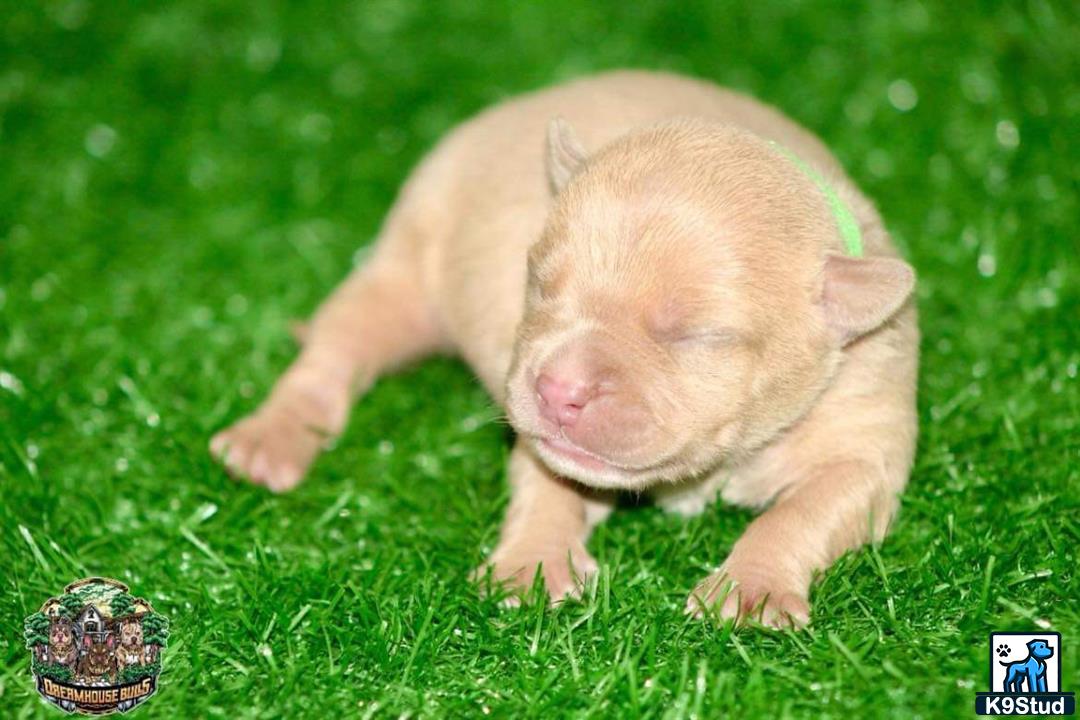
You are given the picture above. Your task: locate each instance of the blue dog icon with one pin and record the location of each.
(1031, 669)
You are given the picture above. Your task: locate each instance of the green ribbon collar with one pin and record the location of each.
(845, 220)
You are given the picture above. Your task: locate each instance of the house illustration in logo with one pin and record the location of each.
(90, 623)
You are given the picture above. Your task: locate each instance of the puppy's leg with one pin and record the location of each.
(834, 481)
(837, 505)
(376, 319)
(546, 526)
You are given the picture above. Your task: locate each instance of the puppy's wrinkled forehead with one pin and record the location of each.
(615, 238)
(684, 214)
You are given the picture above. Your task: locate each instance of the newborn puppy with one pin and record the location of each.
(680, 293)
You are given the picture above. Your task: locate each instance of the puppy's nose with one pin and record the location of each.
(561, 400)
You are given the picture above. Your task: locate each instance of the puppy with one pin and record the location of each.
(1031, 669)
(679, 293)
(130, 651)
(97, 660)
(62, 649)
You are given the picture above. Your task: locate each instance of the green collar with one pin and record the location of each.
(845, 220)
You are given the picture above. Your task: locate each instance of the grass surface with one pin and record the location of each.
(179, 180)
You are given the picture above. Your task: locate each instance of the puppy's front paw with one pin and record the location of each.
(750, 594)
(565, 570)
(272, 447)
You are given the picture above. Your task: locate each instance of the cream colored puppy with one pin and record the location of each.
(669, 295)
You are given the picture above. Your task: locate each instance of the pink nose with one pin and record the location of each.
(561, 400)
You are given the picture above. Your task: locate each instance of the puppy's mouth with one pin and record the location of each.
(565, 449)
(570, 460)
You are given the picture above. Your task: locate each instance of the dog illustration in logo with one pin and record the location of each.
(97, 659)
(131, 651)
(62, 649)
(1031, 669)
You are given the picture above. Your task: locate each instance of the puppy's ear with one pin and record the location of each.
(862, 293)
(565, 154)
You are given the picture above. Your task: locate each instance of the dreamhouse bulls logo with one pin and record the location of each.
(96, 649)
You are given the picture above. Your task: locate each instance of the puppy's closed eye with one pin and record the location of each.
(698, 337)
(703, 337)
(546, 279)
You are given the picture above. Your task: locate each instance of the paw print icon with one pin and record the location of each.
(1003, 650)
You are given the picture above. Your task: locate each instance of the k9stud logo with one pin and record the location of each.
(1025, 676)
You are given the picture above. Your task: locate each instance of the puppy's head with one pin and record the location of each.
(682, 305)
(60, 633)
(131, 633)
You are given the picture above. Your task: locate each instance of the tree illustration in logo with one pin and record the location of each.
(156, 630)
(36, 631)
(71, 604)
(122, 604)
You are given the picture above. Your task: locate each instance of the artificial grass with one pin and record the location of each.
(178, 180)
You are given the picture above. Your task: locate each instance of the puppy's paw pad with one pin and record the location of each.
(268, 448)
(749, 599)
